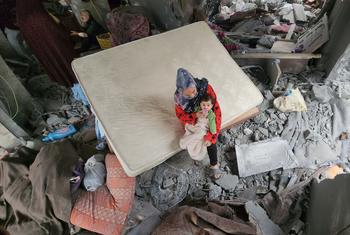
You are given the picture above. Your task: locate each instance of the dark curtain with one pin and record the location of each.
(49, 42)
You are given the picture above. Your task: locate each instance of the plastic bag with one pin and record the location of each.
(95, 172)
(291, 102)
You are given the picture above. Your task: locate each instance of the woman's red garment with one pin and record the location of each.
(49, 42)
(190, 118)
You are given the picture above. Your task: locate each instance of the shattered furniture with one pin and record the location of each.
(105, 210)
(131, 90)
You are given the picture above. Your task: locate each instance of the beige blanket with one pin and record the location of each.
(193, 139)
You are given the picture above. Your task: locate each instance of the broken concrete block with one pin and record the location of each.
(323, 93)
(299, 12)
(168, 183)
(292, 180)
(282, 116)
(258, 216)
(289, 17)
(283, 183)
(262, 190)
(214, 191)
(264, 156)
(228, 181)
(257, 136)
(247, 131)
(248, 194)
(272, 186)
(261, 118)
(285, 9)
(263, 131)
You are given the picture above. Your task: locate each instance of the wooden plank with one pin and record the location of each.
(242, 118)
(295, 56)
(283, 47)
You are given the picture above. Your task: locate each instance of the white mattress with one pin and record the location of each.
(131, 88)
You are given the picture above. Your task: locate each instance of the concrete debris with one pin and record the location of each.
(264, 156)
(177, 184)
(227, 181)
(299, 12)
(259, 217)
(345, 149)
(315, 37)
(276, 19)
(214, 191)
(263, 131)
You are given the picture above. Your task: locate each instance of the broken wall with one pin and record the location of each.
(329, 209)
(16, 104)
(339, 25)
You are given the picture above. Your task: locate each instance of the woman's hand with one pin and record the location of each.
(207, 143)
(199, 114)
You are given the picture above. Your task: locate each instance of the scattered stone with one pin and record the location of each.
(262, 190)
(257, 136)
(282, 116)
(168, 183)
(260, 119)
(272, 185)
(263, 131)
(292, 180)
(248, 194)
(258, 216)
(228, 181)
(199, 194)
(248, 131)
(214, 191)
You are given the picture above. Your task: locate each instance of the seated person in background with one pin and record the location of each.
(92, 29)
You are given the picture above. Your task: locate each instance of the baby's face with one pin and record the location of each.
(206, 105)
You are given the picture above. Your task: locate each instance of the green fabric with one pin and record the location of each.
(212, 122)
(211, 118)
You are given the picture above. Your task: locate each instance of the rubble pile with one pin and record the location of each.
(305, 132)
(55, 105)
(247, 26)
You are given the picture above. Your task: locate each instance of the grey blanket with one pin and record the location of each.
(37, 198)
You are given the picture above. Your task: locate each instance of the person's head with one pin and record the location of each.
(186, 84)
(207, 102)
(84, 16)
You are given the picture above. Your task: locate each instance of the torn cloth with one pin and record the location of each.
(191, 220)
(39, 196)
